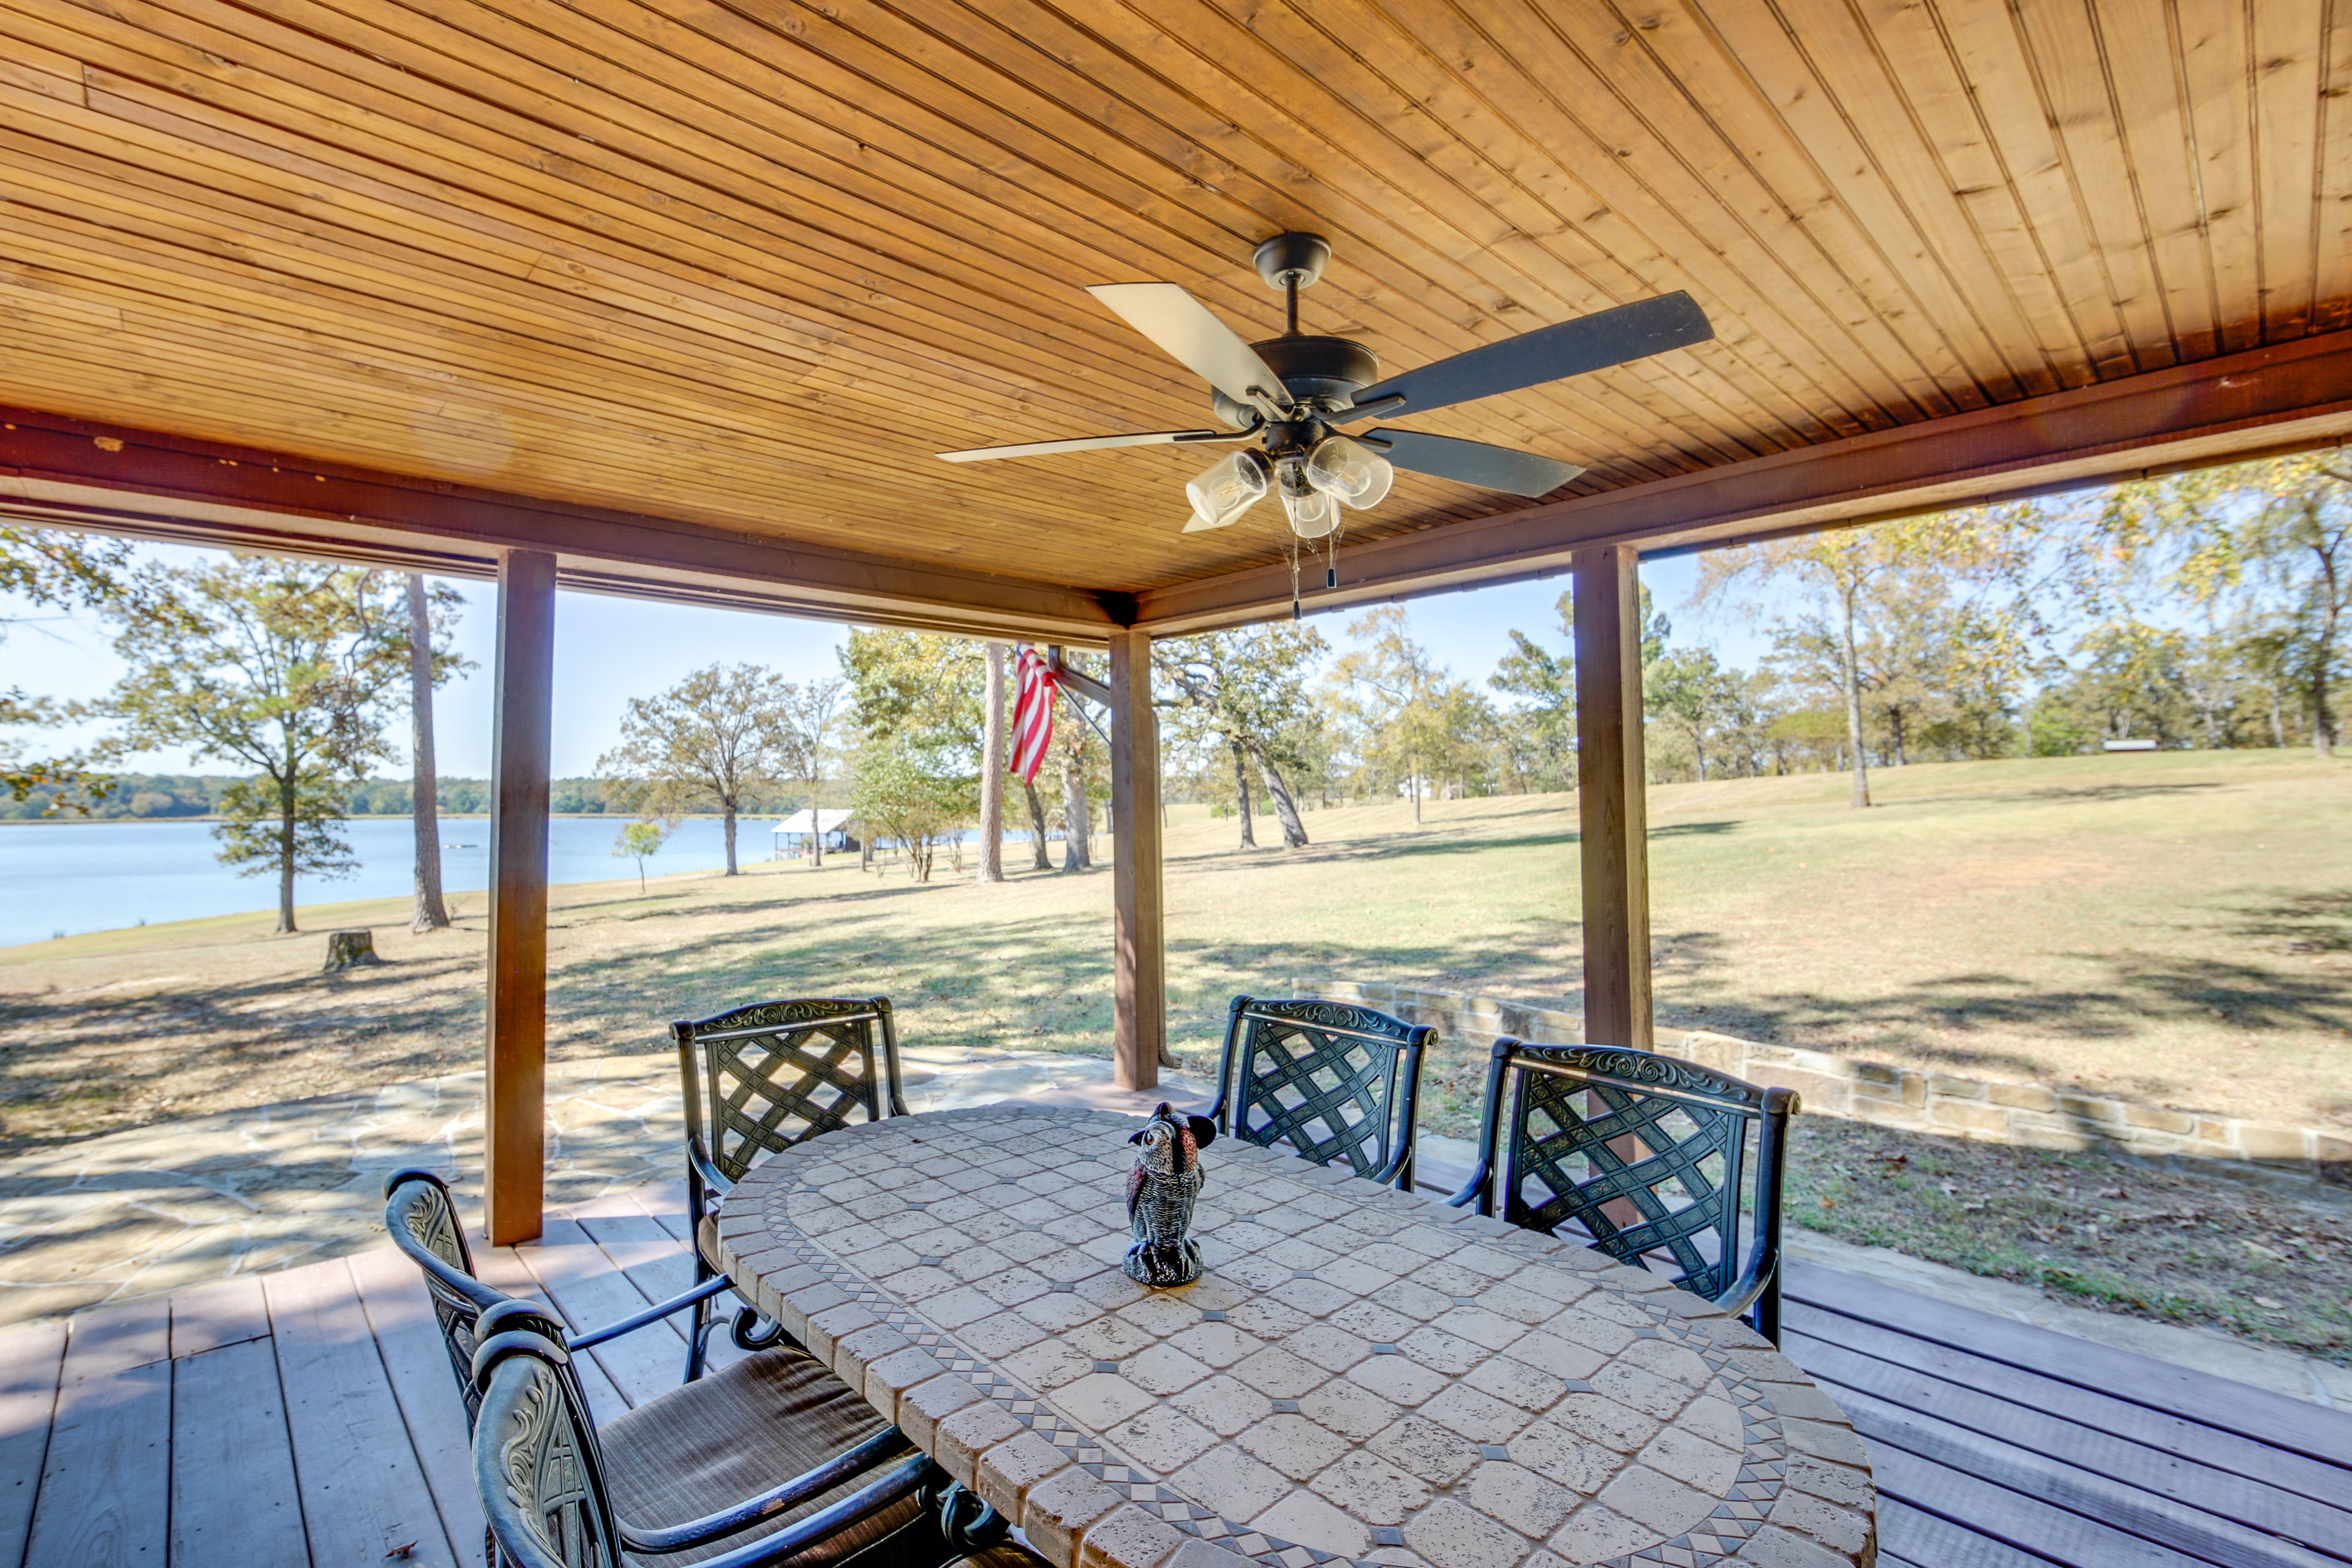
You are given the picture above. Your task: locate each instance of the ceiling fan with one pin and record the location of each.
(1288, 395)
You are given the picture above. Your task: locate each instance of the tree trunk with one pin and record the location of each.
(1038, 860)
(286, 848)
(1895, 729)
(1277, 789)
(991, 769)
(1412, 787)
(1853, 677)
(1241, 788)
(424, 809)
(816, 831)
(1077, 831)
(2278, 718)
(727, 807)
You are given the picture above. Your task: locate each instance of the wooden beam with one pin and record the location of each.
(102, 479)
(1610, 778)
(514, 1109)
(2288, 397)
(1139, 978)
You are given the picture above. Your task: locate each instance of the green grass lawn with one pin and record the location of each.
(2174, 927)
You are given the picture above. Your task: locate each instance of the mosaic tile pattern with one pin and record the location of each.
(1362, 1377)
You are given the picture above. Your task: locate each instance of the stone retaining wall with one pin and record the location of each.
(2033, 1114)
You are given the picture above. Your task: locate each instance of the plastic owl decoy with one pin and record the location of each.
(1159, 1194)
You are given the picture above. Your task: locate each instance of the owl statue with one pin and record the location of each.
(1159, 1194)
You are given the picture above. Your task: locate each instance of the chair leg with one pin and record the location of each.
(1768, 1309)
(697, 1334)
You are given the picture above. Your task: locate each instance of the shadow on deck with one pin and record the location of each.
(307, 1417)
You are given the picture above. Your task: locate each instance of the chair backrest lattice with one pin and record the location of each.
(1335, 1082)
(536, 1461)
(1660, 1163)
(760, 1078)
(423, 1221)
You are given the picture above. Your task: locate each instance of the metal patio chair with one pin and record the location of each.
(1333, 1080)
(722, 1439)
(690, 1476)
(757, 1080)
(1660, 1163)
(423, 1221)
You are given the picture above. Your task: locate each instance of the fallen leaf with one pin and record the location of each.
(402, 1551)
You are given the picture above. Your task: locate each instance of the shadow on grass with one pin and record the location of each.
(2300, 922)
(1933, 1019)
(1414, 843)
(2076, 793)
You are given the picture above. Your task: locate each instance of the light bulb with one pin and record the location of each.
(1350, 470)
(1227, 489)
(1313, 513)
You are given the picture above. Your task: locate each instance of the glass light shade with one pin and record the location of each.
(1350, 470)
(1312, 512)
(1227, 489)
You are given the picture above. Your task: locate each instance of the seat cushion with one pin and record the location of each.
(733, 1434)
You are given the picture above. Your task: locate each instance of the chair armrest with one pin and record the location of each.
(652, 1314)
(888, 1489)
(1469, 1193)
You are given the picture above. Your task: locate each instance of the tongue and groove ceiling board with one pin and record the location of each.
(745, 265)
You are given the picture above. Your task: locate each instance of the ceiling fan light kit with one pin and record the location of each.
(1288, 393)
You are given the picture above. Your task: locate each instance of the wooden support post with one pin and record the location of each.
(515, 1108)
(1611, 774)
(1138, 980)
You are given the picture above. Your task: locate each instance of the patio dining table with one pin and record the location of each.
(1362, 1376)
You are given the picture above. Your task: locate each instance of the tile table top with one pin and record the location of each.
(1363, 1376)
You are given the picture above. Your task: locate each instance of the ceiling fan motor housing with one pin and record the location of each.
(1318, 371)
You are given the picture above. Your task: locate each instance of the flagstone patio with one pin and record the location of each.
(160, 1208)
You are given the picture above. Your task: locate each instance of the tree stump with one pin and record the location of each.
(348, 950)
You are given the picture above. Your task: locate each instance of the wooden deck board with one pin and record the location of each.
(2034, 1427)
(1997, 1444)
(228, 1422)
(2269, 1418)
(2000, 1444)
(364, 1492)
(30, 1358)
(106, 1484)
(416, 1360)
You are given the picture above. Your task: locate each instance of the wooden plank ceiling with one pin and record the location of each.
(748, 263)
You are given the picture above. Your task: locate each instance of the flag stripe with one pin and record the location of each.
(1032, 715)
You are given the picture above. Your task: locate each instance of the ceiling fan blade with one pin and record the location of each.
(1569, 348)
(1473, 462)
(1084, 444)
(1187, 332)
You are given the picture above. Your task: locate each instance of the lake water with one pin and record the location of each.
(67, 878)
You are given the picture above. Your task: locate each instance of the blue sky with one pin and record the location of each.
(608, 650)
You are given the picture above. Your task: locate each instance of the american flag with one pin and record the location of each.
(1032, 715)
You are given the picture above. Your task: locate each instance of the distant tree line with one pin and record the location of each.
(156, 796)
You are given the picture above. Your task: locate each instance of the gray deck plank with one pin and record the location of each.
(659, 1266)
(235, 1501)
(1906, 1534)
(106, 1485)
(224, 1312)
(2218, 1402)
(30, 1360)
(2198, 1535)
(2012, 1518)
(2157, 1429)
(501, 1269)
(417, 1359)
(2036, 1428)
(581, 1280)
(364, 1493)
